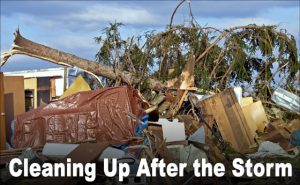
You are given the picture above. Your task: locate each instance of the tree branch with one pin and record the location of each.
(174, 12)
(221, 36)
(26, 47)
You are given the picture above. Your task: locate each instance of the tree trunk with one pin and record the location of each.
(24, 46)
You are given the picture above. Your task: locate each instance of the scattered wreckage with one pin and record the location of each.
(118, 120)
(178, 123)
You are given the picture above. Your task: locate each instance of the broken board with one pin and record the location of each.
(224, 110)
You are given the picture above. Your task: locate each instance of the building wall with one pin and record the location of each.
(31, 80)
(14, 102)
(38, 73)
(15, 85)
(2, 118)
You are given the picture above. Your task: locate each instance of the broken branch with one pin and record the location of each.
(26, 47)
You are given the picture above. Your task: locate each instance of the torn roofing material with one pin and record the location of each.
(92, 115)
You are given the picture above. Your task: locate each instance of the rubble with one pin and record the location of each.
(273, 134)
(178, 126)
(186, 154)
(173, 120)
(255, 116)
(172, 131)
(198, 136)
(295, 138)
(286, 99)
(224, 112)
(267, 149)
(56, 151)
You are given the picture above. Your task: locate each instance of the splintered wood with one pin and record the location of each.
(176, 106)
(186, 79)
(224, 110)
(27, 47)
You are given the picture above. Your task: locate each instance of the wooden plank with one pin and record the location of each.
(176, 106)
(240, 114)
(208, 117)
(238, 122)
(225, 110)
(52, 88)
(2, 116)
(207, 113)
(223, 122)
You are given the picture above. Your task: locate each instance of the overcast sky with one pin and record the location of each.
(71, 25)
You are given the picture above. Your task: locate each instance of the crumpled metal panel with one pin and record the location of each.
(90, 115)
(286, 99)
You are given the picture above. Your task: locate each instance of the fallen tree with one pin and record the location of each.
(243, 56)
(24, 46)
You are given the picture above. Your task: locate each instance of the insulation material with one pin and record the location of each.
(256, 116)
(246, 101)
(92, 115)
(78, 85)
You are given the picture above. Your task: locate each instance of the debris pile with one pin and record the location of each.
(172, 120)
(176, 125)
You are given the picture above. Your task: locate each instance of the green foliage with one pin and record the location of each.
(243, 55)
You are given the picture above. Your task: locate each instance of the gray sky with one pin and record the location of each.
(71, 25)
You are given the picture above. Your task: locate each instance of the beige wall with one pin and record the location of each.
(2, 117)
(15, 85)
(31, 83)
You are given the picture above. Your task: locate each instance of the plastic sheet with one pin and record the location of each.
(93, 115)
